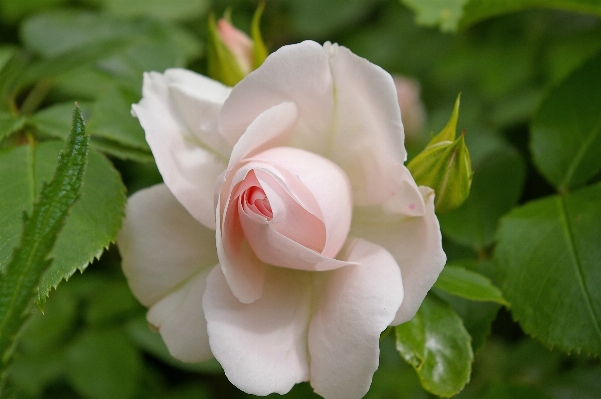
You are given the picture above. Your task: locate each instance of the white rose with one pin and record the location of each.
(288, 234)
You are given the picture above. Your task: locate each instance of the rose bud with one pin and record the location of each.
(231, 53)
(445, 166)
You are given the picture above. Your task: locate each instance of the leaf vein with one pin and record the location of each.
(563, 211)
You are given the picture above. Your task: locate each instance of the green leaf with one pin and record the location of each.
(477, 316)
(499, 174)
(32, 257)
(93, 222)
(477, 10)
(119, 151)
(452, 14)
(548, 256)
(53, 120)
(467, 284)
(51, 68)
(160, 9)
(57, 33)
(13, 10)
(141, 45)
(566, 130)
(437, 345)
(9, 124)
(445, 14)
(104, 365)
(112, 119)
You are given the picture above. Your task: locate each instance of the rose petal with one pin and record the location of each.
(299, 74)
(261, 346)
(161, 244)
(274, 248)
(367, 140)
(238, 43)
(241, 267)
(327, 184)
(244, 272)
(353, 305)
(289, 217)
(199, 101)
(347, 107)
(406, 197)
(415, 243)
(186, 150)
(270, 129)
(180, 319)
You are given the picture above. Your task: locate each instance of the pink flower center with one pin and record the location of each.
(257, 201)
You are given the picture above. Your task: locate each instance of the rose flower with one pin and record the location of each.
(288, 233)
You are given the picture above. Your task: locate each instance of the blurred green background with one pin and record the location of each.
(93, 341)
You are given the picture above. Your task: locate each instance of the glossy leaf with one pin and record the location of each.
(32, 257)
(457, 280)
(499, 174)
(478, 10)
(477, 316)
(548, 256)
(437, 345)
(566, 130)
(98, 214)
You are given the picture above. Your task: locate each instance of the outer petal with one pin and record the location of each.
(199, 101)
(299, 74)
(161, 244)
(416, 244)
(367, 140)
(178, 112)
(181, 321)
(261, 346)
(348, 112)
(353, 306)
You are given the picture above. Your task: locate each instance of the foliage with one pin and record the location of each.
(524, 246)
(32, 257)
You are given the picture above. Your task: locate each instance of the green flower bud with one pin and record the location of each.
(445, 166)
(231, 53)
